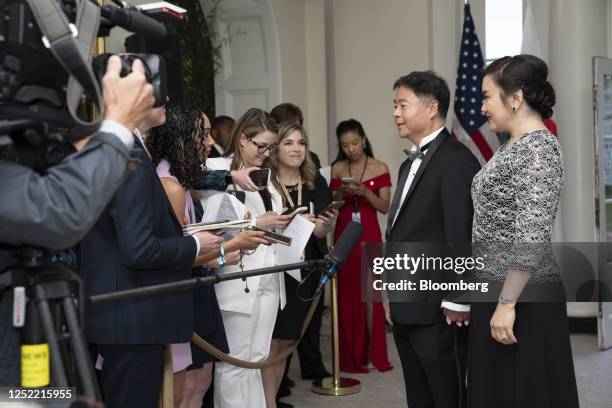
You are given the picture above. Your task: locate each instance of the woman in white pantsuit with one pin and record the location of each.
(249, 307)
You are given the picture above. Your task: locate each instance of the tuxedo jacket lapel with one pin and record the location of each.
(401, 180)
(441, 138)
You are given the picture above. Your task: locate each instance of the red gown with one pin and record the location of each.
(357, 344)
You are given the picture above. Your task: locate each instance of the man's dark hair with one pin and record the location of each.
(221, 120)
(287, 112)
(427, 84)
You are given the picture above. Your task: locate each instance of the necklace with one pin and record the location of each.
(286, 191)
(294, 187)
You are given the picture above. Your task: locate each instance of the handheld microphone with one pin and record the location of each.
(348, 239)
(134, 21)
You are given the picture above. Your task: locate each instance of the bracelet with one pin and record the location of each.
(221, 257)
(505, 300)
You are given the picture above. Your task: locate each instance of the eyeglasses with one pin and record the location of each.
(262, 148)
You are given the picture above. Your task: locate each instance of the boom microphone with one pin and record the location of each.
(348, 239)
(134, 21)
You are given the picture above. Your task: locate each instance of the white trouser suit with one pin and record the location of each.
(248, 317)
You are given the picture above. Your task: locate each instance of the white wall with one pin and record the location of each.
(373, 43)
(376, 43)
(299, 25)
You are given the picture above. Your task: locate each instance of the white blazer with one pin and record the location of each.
(231, 294)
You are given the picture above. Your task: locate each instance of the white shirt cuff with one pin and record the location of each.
(117, 129)
(457, 307)
(197, 245)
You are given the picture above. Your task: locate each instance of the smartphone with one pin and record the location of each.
(335, 205)
(295, 211)
(261, 178)
(273, 236)
(348, 180)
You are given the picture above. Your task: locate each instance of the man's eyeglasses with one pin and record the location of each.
(262, 148)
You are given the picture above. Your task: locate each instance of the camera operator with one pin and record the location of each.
(57, 209)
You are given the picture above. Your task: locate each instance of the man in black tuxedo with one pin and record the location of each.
(432, 203)
(138, 241)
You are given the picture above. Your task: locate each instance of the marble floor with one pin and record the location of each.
(382, 390)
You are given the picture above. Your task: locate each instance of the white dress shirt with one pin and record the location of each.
(414, 168)
(117, 129)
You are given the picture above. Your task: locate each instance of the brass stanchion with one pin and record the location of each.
(335, 385)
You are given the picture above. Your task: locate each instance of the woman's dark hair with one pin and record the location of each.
(351, 125)
(529, 74)
(179, 141)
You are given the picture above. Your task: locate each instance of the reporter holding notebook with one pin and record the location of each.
(178, 148)
(249, 306)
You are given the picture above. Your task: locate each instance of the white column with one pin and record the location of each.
(330, 81)
(577, 33)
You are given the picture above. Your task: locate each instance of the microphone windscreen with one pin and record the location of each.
(143, 24)
(348, 239)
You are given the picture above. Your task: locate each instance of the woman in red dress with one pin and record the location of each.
(364, 184)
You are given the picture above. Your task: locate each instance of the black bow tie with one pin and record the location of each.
(418, 153)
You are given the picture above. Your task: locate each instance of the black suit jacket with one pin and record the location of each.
(437, 208)
(136, 242)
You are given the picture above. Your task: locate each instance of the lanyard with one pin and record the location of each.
(362, 172)
(288, 196)
(356, 199)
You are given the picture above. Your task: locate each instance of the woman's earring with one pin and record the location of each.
(514, 109)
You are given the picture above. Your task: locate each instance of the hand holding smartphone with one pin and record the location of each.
(334, 205)
(273, 236)
(261, 178)
(295, 211)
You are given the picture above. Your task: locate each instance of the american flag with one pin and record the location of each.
(470, 127)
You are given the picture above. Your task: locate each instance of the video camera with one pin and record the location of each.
(46, 72)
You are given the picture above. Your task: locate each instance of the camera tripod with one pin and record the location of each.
(51, 317)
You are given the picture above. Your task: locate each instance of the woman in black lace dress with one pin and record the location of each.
(520, 353)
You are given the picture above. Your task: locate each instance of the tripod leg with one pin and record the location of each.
(82, 359)
(57, 364)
